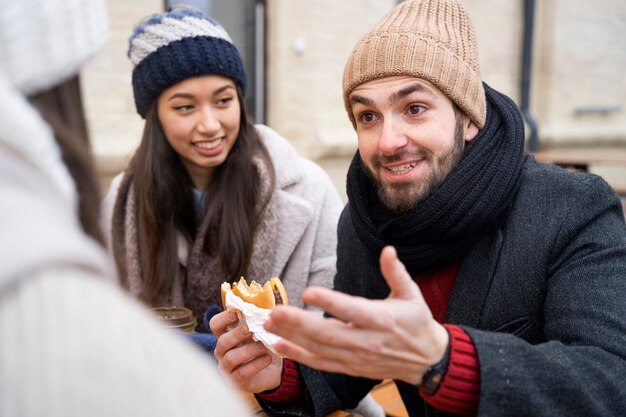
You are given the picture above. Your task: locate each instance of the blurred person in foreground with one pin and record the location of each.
(482, 282)
(71, 343)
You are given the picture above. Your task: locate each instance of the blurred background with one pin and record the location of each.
(562, 61)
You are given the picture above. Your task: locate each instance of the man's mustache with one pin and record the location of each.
(380, 159)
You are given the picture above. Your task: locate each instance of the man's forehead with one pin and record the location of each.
(392, 89)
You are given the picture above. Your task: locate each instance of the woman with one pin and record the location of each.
(72, 344)
(209, 197)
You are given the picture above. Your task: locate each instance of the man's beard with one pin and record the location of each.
(402, 197)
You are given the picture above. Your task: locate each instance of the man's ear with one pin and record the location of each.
(470, 131)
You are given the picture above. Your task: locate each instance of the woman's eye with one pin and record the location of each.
(416, 109)
(367, 117)
(224, 101)
(183, 108)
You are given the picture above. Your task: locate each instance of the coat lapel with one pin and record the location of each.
(473, 282)
(294, 216)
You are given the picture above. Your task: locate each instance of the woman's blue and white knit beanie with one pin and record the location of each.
(170, 47)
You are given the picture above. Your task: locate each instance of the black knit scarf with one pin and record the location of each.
(470, 203)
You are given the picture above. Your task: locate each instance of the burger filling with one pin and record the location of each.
(277, 297)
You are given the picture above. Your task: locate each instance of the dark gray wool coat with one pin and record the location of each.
(543, 298)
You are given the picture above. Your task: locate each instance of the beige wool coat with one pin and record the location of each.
(307, 212)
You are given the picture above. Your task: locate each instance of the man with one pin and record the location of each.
(503, 292)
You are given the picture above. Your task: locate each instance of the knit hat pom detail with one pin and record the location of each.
(170, 47)
(429, 39)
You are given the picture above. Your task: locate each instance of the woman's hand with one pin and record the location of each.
(247, 363)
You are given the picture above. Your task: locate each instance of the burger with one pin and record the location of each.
(265, 296)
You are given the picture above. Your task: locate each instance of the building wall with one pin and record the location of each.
(499, 25)
(308, 43)
(580, 95)
(115, 128)
(578, 91)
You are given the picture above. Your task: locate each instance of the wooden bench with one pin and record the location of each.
(257, 411)
(581, 160)
(385, 393)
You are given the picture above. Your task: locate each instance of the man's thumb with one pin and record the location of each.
(396, 275)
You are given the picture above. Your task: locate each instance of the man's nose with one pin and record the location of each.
(392, 136)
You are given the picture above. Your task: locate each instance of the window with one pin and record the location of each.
(244, 20)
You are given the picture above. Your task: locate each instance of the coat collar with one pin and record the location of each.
(284, 157)
(294, 213)
(473, 281)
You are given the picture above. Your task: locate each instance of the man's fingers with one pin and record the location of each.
(308, 358)
(308, 329)
(356, 310)
(343, 361)
(287, 321)
(400, 282)
(328, 338)
(363, 312)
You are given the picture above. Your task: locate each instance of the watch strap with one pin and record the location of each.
(434, 375)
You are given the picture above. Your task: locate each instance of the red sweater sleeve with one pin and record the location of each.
(291, 386)
(460, 387)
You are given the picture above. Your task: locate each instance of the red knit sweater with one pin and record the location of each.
(460, 387)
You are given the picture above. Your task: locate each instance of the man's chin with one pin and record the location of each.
(399, 201)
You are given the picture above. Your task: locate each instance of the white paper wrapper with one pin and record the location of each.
(253, 317)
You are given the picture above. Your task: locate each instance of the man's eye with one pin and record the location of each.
(416, 109)
(367, 117)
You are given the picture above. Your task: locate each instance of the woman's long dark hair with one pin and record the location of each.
(165, 204)
(62, 108)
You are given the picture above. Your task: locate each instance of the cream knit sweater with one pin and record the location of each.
(72, 344)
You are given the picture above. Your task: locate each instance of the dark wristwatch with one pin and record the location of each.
(432, 378)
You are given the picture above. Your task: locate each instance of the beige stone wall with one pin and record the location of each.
(499, 25)
(308, 43)
(578, 69)
(578, 91)
(579, 65)
(308, 47)
(114, 126)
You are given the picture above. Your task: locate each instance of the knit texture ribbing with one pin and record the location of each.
(429, 39)
(170, 47)
(460, 388)
(469, 204)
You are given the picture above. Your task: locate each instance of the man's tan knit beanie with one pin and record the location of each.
(429, 39)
